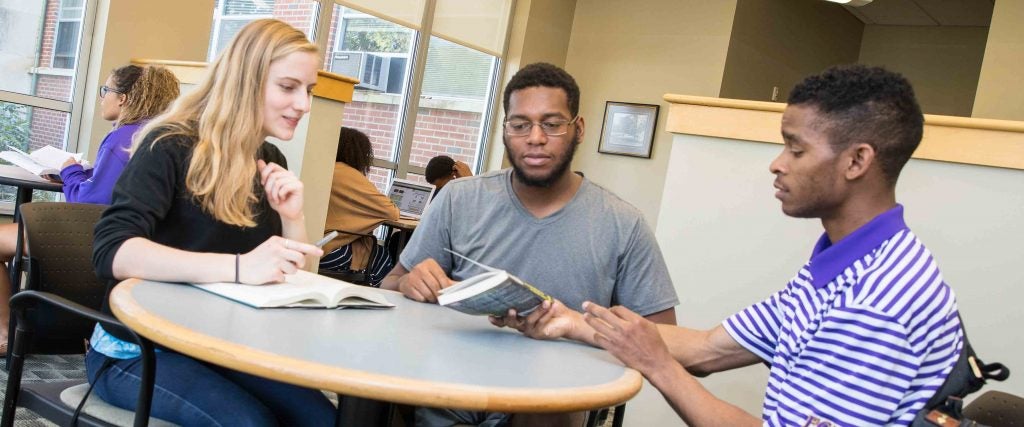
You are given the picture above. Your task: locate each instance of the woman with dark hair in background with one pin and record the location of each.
(129, 97)
(356, 208)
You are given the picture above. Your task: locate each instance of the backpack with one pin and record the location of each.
(945, 408)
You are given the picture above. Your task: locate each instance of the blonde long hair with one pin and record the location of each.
(224, 114)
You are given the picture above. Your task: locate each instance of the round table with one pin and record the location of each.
(415, 353)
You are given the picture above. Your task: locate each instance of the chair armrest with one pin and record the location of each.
(25, 300)
(28, 299)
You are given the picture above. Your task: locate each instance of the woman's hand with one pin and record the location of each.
(274, 258)
(70, 161)
(283, 189)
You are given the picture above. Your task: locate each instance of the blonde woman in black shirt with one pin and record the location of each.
(206, 199)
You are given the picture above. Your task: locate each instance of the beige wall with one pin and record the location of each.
(943, 63)
(311, 153)
(637, 52)
(540, 33)
(545, 37)
(977, 249)
(776, 43)
(1000, 87)
(127, 29)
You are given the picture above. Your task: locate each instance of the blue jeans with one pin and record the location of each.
(193, 393)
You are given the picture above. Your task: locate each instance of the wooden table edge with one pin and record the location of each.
(403, 223)
(361, 384)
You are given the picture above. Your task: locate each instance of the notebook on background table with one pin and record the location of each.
(411, 198)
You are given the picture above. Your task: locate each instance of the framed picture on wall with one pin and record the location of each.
(628, 129)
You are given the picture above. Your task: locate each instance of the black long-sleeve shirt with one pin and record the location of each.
(151, 200)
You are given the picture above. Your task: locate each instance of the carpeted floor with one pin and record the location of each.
(44, 369)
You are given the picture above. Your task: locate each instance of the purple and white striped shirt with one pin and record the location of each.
(864, 334)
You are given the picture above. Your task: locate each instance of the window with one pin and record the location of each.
(376, 52)
(42, 70)
(68, 31)
(453, 103)
(229, 16)
(411, 117)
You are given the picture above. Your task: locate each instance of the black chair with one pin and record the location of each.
(359, 277)
(996, 408)
(56, 315)
(598, 417)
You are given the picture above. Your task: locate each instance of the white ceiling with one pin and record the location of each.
(970, 13)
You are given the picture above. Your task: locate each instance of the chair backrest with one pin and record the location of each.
(357, 277)
(58, 244)
(995, 408)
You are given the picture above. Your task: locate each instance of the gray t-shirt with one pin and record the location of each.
(597, 248)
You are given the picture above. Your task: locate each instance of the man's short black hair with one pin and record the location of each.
(866, 104)
(546, 75)
(438, 167)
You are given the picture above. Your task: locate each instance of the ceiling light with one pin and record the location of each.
(854, 3)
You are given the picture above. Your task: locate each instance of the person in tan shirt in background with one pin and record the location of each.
(356, 209)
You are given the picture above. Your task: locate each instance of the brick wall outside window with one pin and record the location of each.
(49, 32)
(297, 13)
(49, 127)
(438, 131)
(449, 132)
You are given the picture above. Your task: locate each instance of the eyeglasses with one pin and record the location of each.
(549, 127)
(104, 90)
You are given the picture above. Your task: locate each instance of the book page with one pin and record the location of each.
(474, 285)
(53, 157)
(339, 293)
(26, 162)
(302, 289)
(262, 296)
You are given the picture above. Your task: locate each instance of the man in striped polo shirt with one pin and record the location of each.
(866, 332)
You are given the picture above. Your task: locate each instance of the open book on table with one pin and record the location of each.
(45, 162)
(302, 289)
(491, 293)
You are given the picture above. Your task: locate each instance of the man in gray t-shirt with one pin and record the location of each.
(538, 220)
(596, 248)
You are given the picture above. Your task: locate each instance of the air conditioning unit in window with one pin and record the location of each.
(375, 71)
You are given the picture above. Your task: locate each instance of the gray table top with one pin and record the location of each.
(13, 175)
(415, 353)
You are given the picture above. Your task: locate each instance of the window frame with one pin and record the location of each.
(399, 165)
(218, 20)
(74, 106)
(57, 32)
